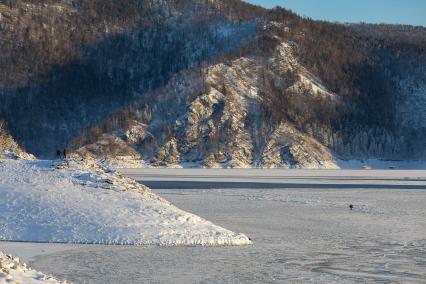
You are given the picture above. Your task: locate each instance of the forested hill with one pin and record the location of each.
(214, 82)
(67, 64)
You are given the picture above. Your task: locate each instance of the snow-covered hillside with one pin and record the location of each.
(217, 83)
(81, 202)
(12, 270)
(224, 125)
(148, 41)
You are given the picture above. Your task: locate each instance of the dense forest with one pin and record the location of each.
(68, 64)
(72, 71)
(374, 68)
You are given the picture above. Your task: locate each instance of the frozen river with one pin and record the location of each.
(299, 221)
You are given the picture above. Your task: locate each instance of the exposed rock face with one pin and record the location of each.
(223, 126)
(289, 148)
(122, 146)
(213, 130)
(168, 155)
(8, 146)
(6, 141)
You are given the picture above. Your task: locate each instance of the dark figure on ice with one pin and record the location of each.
(65, 153)
(351, 207)
(58, 154)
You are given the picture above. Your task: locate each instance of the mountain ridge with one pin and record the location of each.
(205, 88)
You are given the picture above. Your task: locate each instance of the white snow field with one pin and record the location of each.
(12, 270)
(299, 220)
(75, 202)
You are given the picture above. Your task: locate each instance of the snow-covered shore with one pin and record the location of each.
(82, 202)
(130, 162)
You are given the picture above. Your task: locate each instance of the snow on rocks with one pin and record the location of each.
(111, 145)
(9, 149)
(289, 148)
(12, 270)
(308, 82)
(221, 120)
(83, 202)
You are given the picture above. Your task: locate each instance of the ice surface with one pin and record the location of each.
(381, 164)
(300, 222)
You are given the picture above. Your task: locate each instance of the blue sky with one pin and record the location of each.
(411, 12)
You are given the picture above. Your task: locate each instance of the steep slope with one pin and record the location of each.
(212, 83)
(8, 146)
(224, 124)
(66, 65)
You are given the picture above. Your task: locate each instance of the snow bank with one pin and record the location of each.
(12, 270)
(82, 202)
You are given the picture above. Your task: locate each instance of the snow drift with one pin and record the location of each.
(81, 202)
(12, 270)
